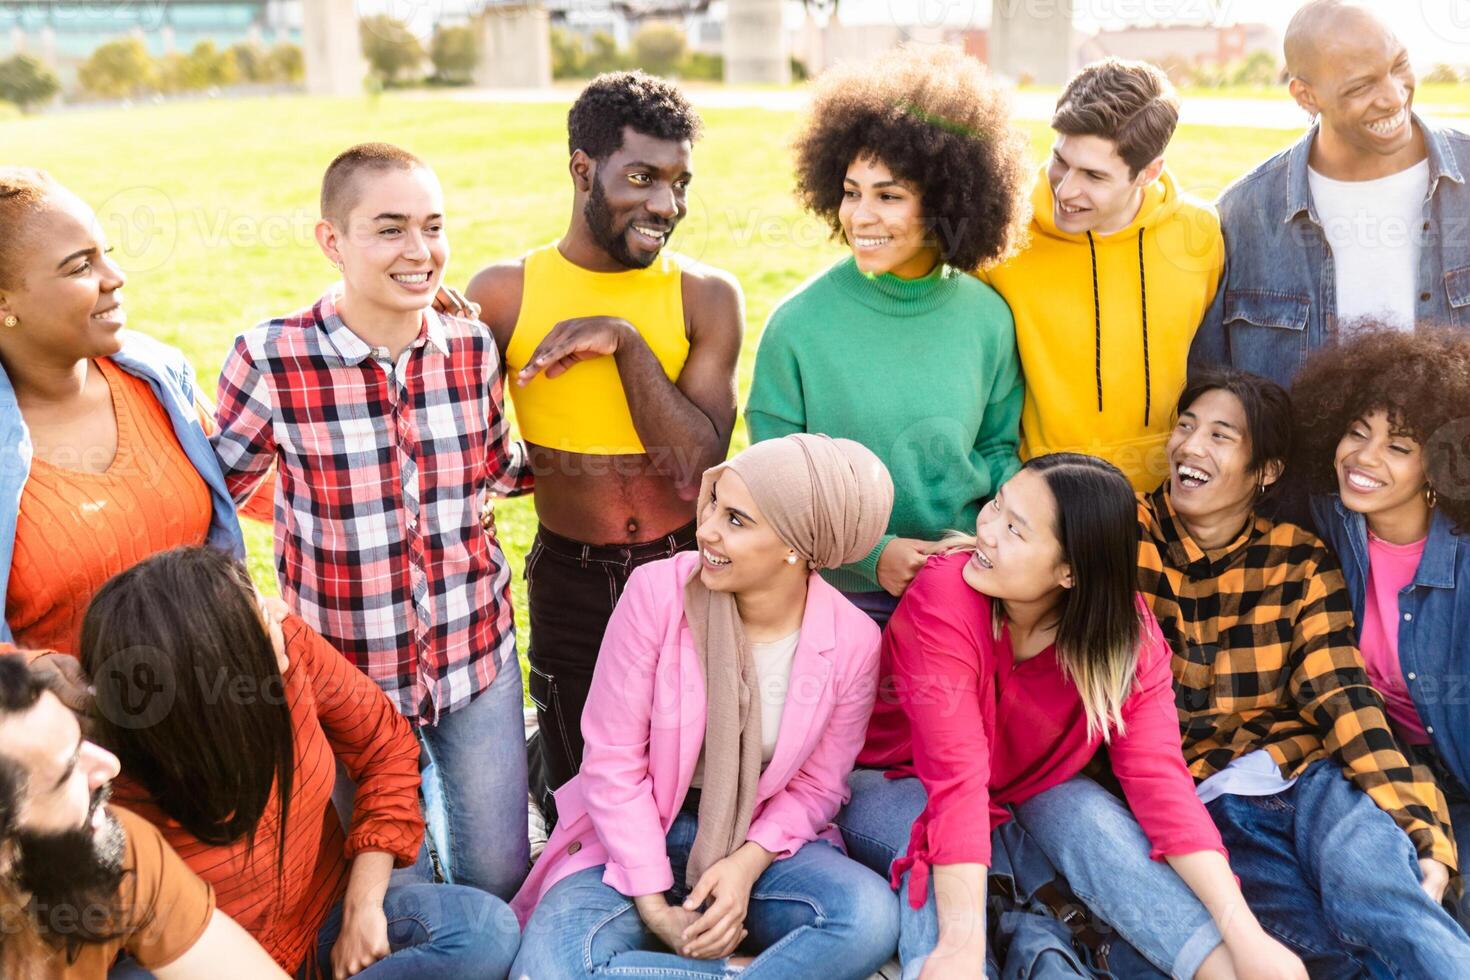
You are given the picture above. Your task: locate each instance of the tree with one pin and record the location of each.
(658, 47)
(1257, 69)
(390, 47)
(251, 60)
(568, 60)
(210, 67)
(27, 83)
(1442, 74)
(603, 54)
(286, 63)
(118, 68)
(454, 53)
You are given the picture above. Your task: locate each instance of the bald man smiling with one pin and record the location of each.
(1366, 217)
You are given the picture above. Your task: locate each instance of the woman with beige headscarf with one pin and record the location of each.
(732, 692)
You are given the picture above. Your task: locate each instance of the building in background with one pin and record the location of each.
(1184, 49)
(65, 34)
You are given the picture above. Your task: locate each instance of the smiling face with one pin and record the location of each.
(1018, 557)
(739, 551)
(1092, 188)
(883, 221)
(64, 289)
(1380, 469)
(391, 245)
(1210, 473)
(1357, 76)
(66, 775)
(636, 197)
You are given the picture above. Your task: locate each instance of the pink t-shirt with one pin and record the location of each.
(1391, 567)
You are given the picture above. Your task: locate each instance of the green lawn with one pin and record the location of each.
(211, 205)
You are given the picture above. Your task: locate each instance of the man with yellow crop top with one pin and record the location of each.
(624, 361)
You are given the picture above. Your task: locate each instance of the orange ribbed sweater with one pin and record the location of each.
(77, 528)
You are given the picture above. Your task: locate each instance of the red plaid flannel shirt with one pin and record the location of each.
(381, 468)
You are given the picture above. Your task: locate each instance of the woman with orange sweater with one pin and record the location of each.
(103, 455)
(212, 705)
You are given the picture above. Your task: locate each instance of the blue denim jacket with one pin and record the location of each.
(172, 379)
(1434, 622)
(1277, 301)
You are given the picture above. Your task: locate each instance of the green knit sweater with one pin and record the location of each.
(923, 372)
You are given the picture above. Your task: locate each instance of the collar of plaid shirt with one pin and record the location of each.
(352, 348)
(1181, 550)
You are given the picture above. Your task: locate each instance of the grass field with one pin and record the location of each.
(210, 206)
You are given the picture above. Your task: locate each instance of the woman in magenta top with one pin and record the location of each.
(1009, 662)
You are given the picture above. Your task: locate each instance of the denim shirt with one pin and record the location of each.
(172, 380)
(1278, 298)
(1434, 622)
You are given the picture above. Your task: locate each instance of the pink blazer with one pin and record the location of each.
(644, 727)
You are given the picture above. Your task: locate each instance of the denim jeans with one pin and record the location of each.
(1332, 876)
(813, 914)
(1459, 803)
(1086, 835)
(434, 931)
(474, 785)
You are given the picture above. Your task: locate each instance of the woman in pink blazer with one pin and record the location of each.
(731, 696)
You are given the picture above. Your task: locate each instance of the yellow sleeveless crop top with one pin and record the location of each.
(585, 410)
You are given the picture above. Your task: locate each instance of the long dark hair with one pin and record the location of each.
(189, 695)
(1098, 624)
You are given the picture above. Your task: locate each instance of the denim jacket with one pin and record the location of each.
(1434, 622)
(173, 383)
(1277, 302)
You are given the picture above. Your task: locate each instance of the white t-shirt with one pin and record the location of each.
(773, 683)
(1253, 774)
(1374, 228)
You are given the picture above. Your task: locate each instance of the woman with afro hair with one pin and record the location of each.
(1384, 442)
(915, 165)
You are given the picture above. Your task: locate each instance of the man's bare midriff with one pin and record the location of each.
(606, 499)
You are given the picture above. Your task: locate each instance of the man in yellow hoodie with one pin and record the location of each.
(1119, 270)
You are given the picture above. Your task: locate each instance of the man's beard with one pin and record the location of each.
(599, 220)
(73, 878)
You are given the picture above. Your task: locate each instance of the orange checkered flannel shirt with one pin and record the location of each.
(1264, 658)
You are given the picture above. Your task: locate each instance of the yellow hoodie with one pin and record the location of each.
(1104, 324)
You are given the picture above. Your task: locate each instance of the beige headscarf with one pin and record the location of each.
(829, 500)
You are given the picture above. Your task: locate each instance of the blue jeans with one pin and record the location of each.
(474, 786)
(813, 914)
(436, 932)
(1091, 834)
(1332, 876)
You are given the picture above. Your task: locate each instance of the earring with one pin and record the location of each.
(791, 559)
(12, 321)
(1430, 497)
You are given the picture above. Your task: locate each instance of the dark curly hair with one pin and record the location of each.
(651, 105)
(1421, 379)
(936, 119)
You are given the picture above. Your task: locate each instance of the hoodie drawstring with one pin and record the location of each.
(1096, 324)
(1148, 392)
